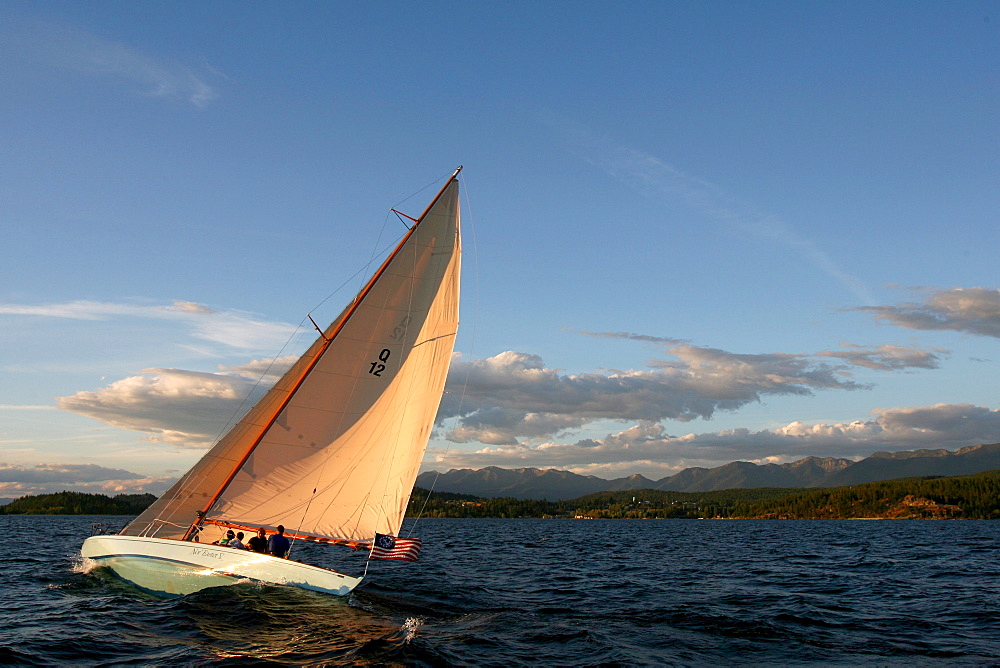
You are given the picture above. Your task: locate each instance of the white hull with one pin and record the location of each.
(171, 568)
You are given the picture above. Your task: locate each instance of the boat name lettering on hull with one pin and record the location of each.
(206, 553)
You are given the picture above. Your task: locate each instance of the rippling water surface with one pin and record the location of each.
(542, 592)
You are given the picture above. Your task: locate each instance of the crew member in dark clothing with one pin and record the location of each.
(277, 544)
(258, 543)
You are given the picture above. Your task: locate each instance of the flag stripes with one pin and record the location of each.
(390, 547)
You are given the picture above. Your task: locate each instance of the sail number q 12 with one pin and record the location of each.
(379, 366)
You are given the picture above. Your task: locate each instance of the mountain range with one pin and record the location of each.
(555, 485)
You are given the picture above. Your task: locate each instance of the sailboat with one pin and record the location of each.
(331, 452)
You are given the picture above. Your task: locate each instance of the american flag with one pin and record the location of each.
(389, 547)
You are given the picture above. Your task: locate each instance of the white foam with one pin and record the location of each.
(409, 628)
(82, 564)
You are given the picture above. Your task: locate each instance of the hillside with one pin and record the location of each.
(960, 497)
(554, 485)
(526, 483)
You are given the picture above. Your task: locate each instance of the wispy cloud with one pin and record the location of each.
(970, 310)
(72, 48)
(661, 181)
(888, 357)
(232, 328)
(25, 407)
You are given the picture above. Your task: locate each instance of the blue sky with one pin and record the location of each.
(694, 232)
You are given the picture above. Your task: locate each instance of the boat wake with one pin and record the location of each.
(409, 628)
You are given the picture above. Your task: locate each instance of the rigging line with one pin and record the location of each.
(429, 185)
(378, 250)
(472, 344)
(401, 216)
(362, 271)
(378, 241)
(416, 221)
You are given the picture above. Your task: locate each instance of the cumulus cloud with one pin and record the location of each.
(185, 409)
(513, 395)
(646, 447)
(500, 400)
(16, 481)
(62, 473)
(265, 372)
(506, 400)
(971, 310)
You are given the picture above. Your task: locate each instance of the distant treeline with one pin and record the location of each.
(78, 503)
(960, 497)
(972, 497)
(632, 504)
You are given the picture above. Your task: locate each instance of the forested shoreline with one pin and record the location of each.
(974, 497)
(930, 497)
(78, 503)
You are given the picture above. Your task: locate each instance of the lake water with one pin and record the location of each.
(542, 592)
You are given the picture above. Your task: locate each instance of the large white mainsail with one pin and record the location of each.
(332, 450)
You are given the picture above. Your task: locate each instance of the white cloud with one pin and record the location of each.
(63, 473)
(25, 407)
(231, 328)
(646, 448)
(266, 372)
(888, 357)
(185, 409)
(513, 395)
(504, 399)
(971, 310)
